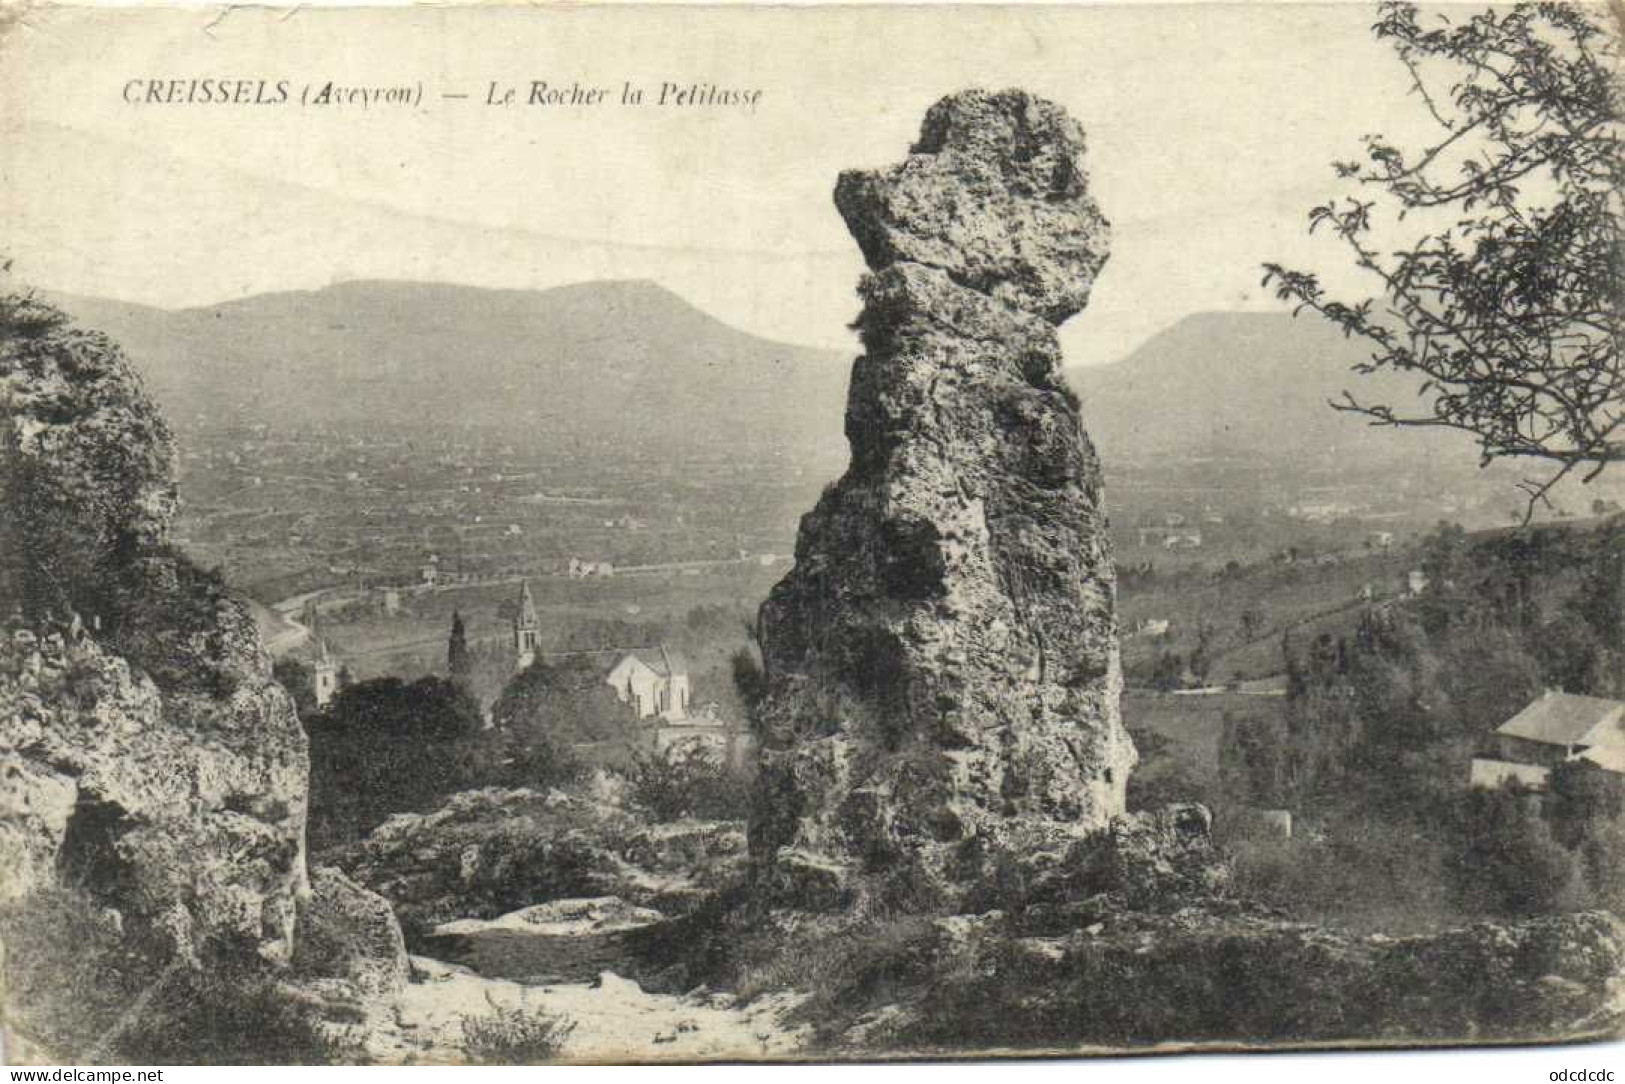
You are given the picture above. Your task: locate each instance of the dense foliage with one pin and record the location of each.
(690, 780)
(1377, 730)
(386, 746)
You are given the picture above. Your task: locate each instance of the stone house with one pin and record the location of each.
(1556, 728)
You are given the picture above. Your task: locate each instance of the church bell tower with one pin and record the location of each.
(525, 629)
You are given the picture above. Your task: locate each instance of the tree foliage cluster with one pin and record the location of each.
(1495, 254)
(690, 780)
(1378, 727)
(387, 746)
(553, 706)
(1495, 248)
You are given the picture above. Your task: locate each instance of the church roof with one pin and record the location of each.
(527, 605)
(662, 660)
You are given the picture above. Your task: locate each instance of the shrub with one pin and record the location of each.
(690, 780)
(231, 1014)
(1507, 862)
(69, 972)
(512, 1036)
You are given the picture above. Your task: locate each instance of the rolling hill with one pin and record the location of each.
(1246, 384)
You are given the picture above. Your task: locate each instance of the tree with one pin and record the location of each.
(1504, 301)
(690, 780)
(385, 746)
(299, 679)
(459, 663)
(1201, 660)
(1580, 798)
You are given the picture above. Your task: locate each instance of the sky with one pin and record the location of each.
(1211, 131)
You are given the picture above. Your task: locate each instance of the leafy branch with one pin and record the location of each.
(1507, 306)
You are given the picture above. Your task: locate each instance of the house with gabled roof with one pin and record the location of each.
(1554, 729)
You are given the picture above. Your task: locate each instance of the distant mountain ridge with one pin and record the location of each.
(593, 363)
(1238, 384)
(631, 364)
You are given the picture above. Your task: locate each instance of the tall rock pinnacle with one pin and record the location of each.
(942, 660)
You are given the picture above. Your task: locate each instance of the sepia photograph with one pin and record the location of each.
(680, 534)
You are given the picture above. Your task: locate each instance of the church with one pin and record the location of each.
(652, 682)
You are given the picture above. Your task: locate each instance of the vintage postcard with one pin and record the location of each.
(620, 533)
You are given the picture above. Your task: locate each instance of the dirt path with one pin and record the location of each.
(615, 1020)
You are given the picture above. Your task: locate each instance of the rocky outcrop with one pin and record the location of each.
(486, 853)
(1192, 977)
(185, 815)
(554, 942)
(349, 933)
(146, 754)
(942, 661)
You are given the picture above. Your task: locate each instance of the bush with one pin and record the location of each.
(385, 747)
(69, 972)
(690, 780)
(234, 1014)
(512, 1036)
(1370, 874)
(1506, 861)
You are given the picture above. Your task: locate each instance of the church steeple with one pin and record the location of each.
(526, 628)
(325, 672)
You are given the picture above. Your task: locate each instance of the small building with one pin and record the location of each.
(653, 682)
(1555, 729)
(1416, 582)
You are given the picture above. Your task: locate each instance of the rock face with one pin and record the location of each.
(486, 853)
(349, 933)
(145, 753)
(942, 660)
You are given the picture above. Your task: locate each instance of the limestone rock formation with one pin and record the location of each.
(486, 853)
(146, 754)
(942, 661)
(349, 933)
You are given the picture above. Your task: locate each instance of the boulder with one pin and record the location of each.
(348, 932)
(1153, 860)
(942, 660)
(489, 852)
(994, 193)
